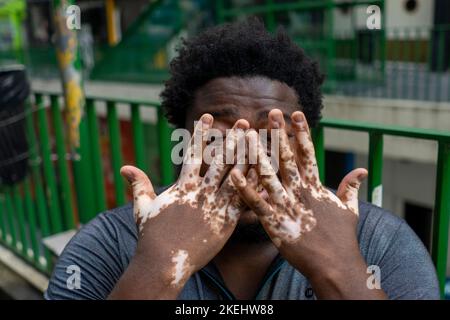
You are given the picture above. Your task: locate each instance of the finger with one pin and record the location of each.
(252, 178)
(232, 201)
(143, 192)
(192, 161)
(266, 173)
(250, 195)
(223, 162)
(305, 151)
(348, 188)
(290, 175)
(237, 203)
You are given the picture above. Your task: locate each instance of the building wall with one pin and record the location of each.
(395, 14)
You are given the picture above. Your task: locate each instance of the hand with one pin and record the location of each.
(183, 228)
(314, 229)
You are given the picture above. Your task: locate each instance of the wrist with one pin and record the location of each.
(344, 281)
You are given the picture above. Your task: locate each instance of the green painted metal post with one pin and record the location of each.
(441, 213)
(11, 238)
(21, 245)
(319, 148)
(65, 191)
(41, 206)
(116, 151)
(2, 215)
(417, 60)
(375, 187)
(31, 218)
(49, 174)
(83, 176)
(165, 149)
(96, 157)
(440, 59)
(331, 46)
(219, 11)
(138, 137)
(383, 40)
(270, 16)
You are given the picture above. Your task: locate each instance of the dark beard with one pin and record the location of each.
(249, 233)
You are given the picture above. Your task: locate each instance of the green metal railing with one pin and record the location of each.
(376, 132)
(63, 190)
(49, 200)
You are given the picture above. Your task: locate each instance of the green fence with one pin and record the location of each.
(57, 195)
(63, 190)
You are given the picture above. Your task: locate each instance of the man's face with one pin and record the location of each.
(233, 98)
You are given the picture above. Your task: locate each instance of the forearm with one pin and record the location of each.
(145, 280)
(345, 282)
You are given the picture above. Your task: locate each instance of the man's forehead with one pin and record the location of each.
(238, 88)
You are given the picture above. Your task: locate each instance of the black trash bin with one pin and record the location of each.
(14, 151)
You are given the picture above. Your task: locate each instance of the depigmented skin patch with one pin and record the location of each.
(303, 218)
(190, 222)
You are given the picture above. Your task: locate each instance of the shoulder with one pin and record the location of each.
(101, 251)
(387, 241)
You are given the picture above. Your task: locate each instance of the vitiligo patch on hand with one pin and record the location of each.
(181, 267)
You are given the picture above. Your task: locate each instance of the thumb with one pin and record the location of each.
(348, 188)
(143, 192)
(139, 182)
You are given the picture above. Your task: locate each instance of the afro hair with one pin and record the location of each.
(242, 49)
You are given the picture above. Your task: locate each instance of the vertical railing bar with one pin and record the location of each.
(99, 181)
(319, 146)
(41, 206)
(375, 187)
(138, 137)
(49, 174)
(417, 51)
(440, 62)
(65, 190)
(11, 237)
(165, 144)
(427, 87)
(3, 215)
(116, 155)
(81, 164)
(22, 246)
(441, 214)
(31, 218)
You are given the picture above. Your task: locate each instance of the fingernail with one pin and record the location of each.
(361, 177)
(298, 118)
(277, 120)
(238, 178)
(241, 125)
(206, 119)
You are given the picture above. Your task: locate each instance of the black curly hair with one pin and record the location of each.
(242, 49)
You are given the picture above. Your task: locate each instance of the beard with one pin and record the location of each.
(249, 233)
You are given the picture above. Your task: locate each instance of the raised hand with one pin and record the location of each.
(314, 229)
(186, 226)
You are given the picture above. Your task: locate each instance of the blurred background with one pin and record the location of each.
(77, 104)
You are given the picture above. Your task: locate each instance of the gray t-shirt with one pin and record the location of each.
(103, 248)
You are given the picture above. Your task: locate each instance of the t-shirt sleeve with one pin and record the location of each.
(91, 264)
(406, 269)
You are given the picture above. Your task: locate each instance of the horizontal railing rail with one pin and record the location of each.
(64, 189)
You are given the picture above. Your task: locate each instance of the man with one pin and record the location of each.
(248, 232)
